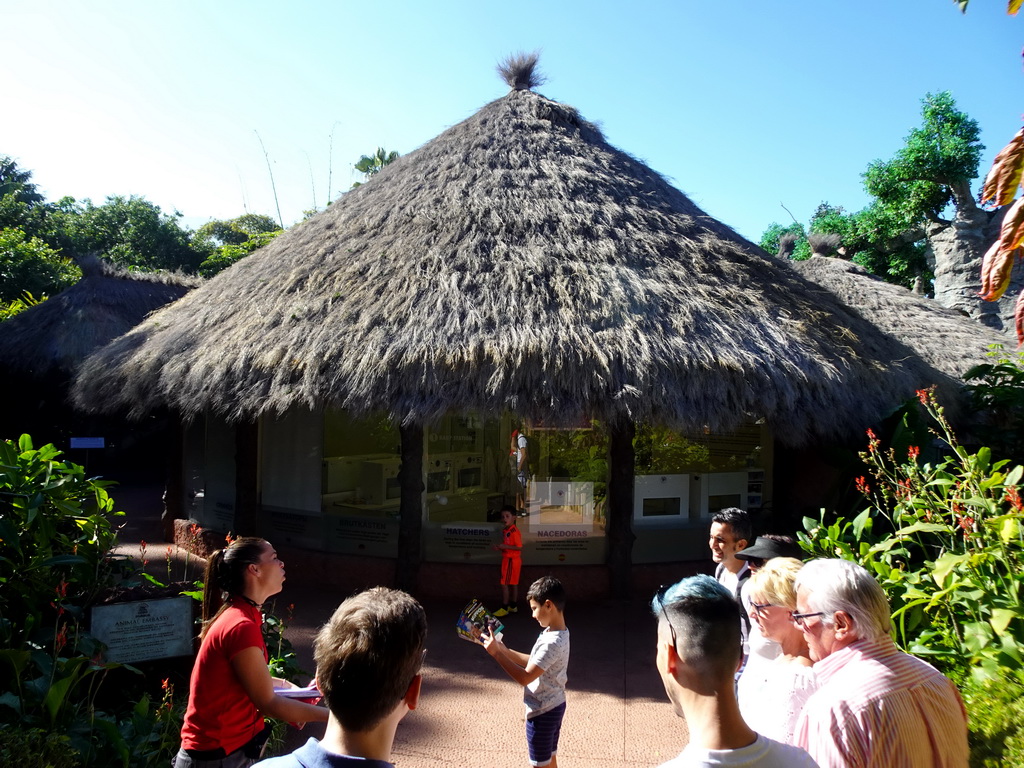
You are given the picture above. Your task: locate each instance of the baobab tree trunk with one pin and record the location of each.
(958, 247)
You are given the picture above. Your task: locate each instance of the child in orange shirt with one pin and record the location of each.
(511, 549)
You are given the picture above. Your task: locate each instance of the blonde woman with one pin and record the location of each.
(772, 694)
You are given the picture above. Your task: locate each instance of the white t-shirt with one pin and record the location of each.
(772, 694)
(763, 753)
(550, 653)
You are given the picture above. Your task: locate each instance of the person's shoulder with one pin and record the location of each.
(785, 755)
(313, 755)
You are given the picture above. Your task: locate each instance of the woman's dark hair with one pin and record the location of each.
(225, 575)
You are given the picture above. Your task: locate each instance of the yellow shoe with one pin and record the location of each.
(503, 611)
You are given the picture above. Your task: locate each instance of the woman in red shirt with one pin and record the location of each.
(231, 687)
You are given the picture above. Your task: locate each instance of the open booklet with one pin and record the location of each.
(474, 620)
(309, 692)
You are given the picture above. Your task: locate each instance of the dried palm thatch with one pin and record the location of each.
(54, 337)
(823, 245)
(517, 261)
(947, 340)
(787, 244)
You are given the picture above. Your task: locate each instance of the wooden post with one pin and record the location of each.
(247, 459)
(174, 494)
(621, 473)
(410, 525)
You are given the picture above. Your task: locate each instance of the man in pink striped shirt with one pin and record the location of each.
(876, 706)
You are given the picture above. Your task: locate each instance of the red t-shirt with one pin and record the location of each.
(220, 712)
(510, 536)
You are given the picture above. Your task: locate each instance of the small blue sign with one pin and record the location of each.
(87, 442)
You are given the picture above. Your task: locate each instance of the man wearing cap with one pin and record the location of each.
(767, 546)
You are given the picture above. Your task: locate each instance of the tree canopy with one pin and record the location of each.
(39, 240)
(371, 165)
(931, 171)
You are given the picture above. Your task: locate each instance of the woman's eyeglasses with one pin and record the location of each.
(760, 607)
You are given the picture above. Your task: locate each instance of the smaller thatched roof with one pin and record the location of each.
(944, 338)
(54, 337)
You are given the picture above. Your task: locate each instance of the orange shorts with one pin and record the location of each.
(510, 568)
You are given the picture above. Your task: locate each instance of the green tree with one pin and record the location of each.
(371, 165)
(130, 231)
(28, 265)
(226, 242)
(914, 193)
(933, 169)
(17, 182)
(235, 231)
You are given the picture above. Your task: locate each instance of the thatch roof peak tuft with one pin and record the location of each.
(823, 244)
(787, 244)
(520, 71)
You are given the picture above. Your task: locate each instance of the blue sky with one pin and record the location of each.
(745, 106)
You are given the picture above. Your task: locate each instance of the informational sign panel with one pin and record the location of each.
(462, 542)
(145, 629)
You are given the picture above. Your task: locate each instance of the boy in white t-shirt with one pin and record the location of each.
(699, 651)
(543, 673)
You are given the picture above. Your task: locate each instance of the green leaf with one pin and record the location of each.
(1001, 618)
(977, 635)
(1009, 530)
(944, 565)
(860, 522)
(984, 458)
(920, 527)
(56, 560)
(1015, 475)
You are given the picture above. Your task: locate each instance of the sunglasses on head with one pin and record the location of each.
(660, 597)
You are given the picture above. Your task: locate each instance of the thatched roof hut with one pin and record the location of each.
(515, 262)
(54, 337)
(947, 340)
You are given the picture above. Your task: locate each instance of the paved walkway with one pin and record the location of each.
(470, 712)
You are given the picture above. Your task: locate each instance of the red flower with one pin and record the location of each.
(924, 395)
(862, 485)
(873, 441)
(1013, 496)
(913, 452)
(62, 638)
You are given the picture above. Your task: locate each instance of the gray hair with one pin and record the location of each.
(841, 585)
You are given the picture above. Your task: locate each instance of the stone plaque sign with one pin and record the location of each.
(145, 629)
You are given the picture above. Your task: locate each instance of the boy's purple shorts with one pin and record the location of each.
(542, 735)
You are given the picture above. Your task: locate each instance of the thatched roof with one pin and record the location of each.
(946, 339)
(54, 337)
(517, 261)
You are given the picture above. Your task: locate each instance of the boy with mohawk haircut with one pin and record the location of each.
(368, 659)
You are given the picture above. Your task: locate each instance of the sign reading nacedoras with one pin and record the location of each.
(145, 629)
